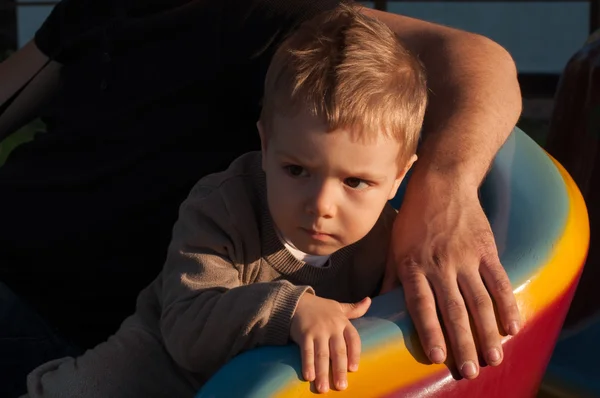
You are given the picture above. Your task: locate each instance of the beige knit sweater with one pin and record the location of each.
(228, 285)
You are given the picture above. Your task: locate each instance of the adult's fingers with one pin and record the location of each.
(420, 302)
(456, 319)
(482, 312)
(500, 288)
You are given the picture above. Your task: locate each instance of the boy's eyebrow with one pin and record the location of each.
(366, 175)
(369, 177)
(288, 155)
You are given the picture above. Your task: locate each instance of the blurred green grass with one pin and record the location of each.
(25, 134)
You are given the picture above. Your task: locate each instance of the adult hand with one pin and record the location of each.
(443, 248)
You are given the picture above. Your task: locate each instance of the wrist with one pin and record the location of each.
(301, 301)
(282, 313)
(462, 167)
(445, 178)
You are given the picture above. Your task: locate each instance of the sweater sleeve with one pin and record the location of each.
(208, 314)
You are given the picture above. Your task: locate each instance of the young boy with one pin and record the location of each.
(286, 244)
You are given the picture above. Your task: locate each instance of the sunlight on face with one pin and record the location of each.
(326, 190)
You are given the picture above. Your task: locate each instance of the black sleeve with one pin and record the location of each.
(251, 31)
(259, 26)
(67, 22)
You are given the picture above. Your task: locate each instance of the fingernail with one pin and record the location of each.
(437, 355)
(493, 355)
(309, 376)
(513, 328)
(469, 369)
(323, 387)
(353, 367)
(342, 385)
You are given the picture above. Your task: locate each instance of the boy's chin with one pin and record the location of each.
(313, 252)
(319, 249)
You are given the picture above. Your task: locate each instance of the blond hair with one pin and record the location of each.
(352, 71)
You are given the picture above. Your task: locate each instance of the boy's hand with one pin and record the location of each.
(443, 250)
(322, 329)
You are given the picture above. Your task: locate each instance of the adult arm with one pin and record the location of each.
(15, 72)
(443, 247)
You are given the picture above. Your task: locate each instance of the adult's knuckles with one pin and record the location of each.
(511, 308)
(440, 260)
(490, 338)
(421, 301)
(482, 301)
(430, 336)
(411, 278)
(454, 307)
(409, 265)
(502, 285)
(465, 351)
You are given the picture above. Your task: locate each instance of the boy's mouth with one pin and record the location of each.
(317, 234)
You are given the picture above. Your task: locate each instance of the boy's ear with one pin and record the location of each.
(263, 141)
(401, 175)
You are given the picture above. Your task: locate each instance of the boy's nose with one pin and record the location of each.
(321, 202)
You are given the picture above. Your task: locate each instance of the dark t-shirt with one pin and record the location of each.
(154, 94)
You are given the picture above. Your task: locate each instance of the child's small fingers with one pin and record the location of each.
(322, 365)
(307, 352)
(353, 345)
(339, 361)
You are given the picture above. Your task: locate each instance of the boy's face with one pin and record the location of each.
(325, 190)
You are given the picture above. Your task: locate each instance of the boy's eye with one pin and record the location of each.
(356, 183)
(295, 170)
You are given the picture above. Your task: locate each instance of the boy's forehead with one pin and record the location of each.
(310, 138)
(296, 126)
